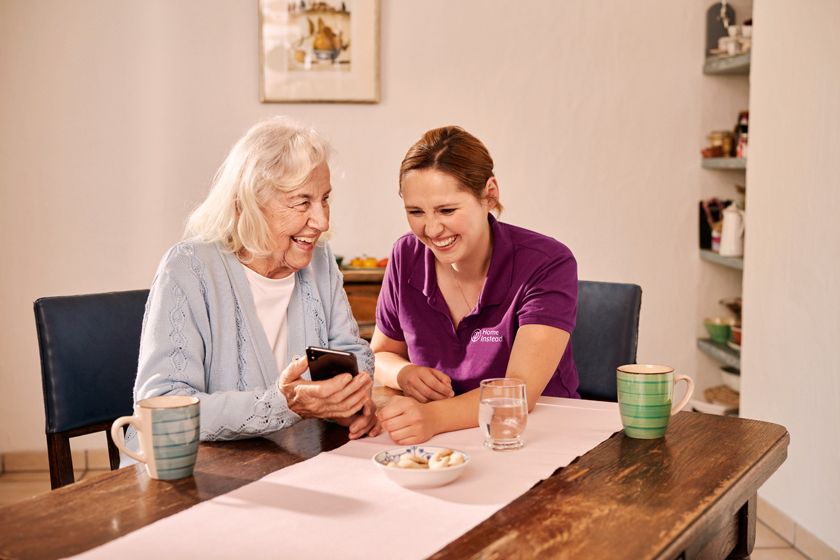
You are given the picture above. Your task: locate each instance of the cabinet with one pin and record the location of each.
(362, 287)
(721, 68)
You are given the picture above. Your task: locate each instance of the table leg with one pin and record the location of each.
(746, 530)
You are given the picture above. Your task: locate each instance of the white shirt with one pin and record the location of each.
(271, 299)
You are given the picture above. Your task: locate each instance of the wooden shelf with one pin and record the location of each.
(720, 352)
(363, 274)
(730, 262)
(726, 163)
(727, 65)
(733, 65)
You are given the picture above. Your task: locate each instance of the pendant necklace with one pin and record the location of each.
(461, 290)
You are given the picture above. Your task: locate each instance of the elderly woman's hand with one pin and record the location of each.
(340, 397)
(363, 423)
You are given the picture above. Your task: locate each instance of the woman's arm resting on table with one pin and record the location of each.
(394, 370)
(534, 357)
(536, 352)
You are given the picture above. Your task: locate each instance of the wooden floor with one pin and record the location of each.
(21, 485)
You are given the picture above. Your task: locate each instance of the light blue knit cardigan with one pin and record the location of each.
(201, 336)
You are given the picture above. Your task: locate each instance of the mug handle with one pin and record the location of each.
(688, 393)
(119, 438)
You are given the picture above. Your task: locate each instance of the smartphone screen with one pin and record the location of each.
(325, 363)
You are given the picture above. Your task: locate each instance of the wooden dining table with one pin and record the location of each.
(691, 494)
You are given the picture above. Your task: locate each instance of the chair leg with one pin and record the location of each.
(61, 461)
(113, 452)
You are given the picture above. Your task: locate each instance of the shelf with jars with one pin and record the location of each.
(722, 218)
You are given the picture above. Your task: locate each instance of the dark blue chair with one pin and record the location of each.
(606, 335)
(89, 346)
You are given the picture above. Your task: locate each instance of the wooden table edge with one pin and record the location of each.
(764, 468)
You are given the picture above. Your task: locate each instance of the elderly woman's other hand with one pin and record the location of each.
(363, 423)
(340, 397)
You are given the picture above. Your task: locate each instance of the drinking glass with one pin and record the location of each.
(502, 412)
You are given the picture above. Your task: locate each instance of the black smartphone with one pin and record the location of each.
(325, 363)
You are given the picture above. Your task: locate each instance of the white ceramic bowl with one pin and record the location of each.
(731, 380)
(418, 478)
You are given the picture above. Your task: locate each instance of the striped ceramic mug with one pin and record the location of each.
(644, 398)
(168, 428)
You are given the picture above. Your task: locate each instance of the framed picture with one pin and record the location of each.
(319, 51)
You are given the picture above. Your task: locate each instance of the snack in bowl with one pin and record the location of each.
(422, 466)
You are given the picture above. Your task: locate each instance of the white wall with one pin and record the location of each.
(791, 299)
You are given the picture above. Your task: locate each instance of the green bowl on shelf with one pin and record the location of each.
(719, 329)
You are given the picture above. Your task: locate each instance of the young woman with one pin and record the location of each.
(467, 297)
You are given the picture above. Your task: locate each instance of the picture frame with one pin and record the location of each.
(319, 51)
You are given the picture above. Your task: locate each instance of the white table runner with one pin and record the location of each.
(337, 504)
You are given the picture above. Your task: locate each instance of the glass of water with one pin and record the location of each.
(503, 412)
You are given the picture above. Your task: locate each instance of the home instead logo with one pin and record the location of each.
(486, 335)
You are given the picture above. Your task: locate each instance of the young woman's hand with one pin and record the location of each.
(424, 384)
(363, 423)
(407, 421)
(339, 397)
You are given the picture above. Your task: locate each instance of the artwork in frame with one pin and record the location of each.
(319, 51)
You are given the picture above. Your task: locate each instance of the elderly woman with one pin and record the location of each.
(233, 305)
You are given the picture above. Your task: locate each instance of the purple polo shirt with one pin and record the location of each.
(532, 280)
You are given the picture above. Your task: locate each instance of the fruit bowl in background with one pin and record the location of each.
(366, 262)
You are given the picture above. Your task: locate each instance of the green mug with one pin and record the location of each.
(644, 398)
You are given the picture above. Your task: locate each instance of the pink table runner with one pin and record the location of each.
(338, 505)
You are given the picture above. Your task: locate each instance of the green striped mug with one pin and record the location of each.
(168, 428)
(644, 398)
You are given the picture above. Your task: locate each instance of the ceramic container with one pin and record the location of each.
(719, 329)
(731, 377)
(418, 478)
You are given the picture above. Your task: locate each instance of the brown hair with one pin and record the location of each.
(456, 152)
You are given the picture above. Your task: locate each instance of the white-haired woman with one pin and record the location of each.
(233, 305)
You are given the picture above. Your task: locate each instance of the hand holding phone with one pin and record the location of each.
(325, 363)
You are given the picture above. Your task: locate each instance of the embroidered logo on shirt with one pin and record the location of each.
(486, 335)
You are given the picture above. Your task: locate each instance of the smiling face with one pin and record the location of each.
(446, 217)
(296, 219)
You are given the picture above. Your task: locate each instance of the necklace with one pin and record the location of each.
(461, 290)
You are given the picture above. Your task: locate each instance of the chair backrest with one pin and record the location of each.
(89, 346)
(606, 335)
